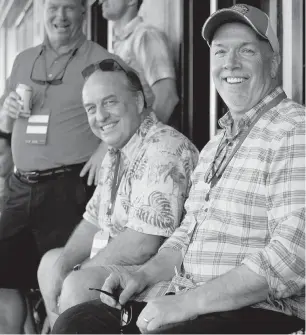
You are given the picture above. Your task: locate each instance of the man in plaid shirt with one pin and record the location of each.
(236, 263)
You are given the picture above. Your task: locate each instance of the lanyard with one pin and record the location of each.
(63, 69)
(218, 174)
(115, 184)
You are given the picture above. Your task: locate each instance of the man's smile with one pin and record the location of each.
(109, 126)
(235, 80)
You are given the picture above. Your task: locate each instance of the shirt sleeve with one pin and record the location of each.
(92, 208)
(282, 261)
(153, 54)
(181, 238)
(160, 188)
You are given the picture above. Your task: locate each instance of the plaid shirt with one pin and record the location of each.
(255, 214)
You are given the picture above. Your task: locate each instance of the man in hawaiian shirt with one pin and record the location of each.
(143, 184)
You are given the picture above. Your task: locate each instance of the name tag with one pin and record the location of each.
(37, 128)
(99, 242)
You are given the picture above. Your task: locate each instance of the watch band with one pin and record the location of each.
(6, 136)
(77, 267)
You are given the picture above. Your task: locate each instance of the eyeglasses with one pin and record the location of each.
(111, 65)
(57, 81)
(126, 310)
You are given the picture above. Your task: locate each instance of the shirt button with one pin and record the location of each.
(50, 75)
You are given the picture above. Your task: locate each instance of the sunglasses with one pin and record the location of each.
(57, 81)
(111, 65)
(126, 310)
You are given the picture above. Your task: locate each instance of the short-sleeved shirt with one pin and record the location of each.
(255, 215)
(69, 138)
(156, 165)
(145, 49)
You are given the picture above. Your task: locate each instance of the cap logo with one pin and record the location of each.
(240, 9)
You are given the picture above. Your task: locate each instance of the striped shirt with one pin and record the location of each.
(255, 214)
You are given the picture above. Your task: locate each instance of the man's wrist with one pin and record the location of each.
(5, 135)
(146, 280)
(196, 301)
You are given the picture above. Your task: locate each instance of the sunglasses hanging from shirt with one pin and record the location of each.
(37, 128)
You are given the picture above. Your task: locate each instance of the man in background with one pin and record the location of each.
(145, 49)
(52, 146)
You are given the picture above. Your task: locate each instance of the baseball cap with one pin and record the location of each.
(252, 16)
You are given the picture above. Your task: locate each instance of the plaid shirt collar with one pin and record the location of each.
(226, 121)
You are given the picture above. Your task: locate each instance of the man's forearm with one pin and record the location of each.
(128, 248)
(78, 247)
(165, 99)
(238, 288)
(162, 266)
(6, 122)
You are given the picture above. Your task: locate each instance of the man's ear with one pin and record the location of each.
(132, 3)
(275, 62)
(140, 102)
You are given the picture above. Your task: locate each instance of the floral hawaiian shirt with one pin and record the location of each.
(154, 174)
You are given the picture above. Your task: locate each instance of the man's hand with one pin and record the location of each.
(162, 312)
(13, 106)
(94, 164)
(130, 284)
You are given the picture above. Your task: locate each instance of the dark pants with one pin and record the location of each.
(36, 218)
(97, 318)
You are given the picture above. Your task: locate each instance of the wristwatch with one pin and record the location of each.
(6, 136)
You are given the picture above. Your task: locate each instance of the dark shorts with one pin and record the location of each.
(96, 318)
(36, 218)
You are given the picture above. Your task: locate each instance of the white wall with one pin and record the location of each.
(2, 60)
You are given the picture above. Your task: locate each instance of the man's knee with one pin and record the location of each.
(89, 318)
(45, 270)
(75, 289)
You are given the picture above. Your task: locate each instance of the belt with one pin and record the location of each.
(33, 177)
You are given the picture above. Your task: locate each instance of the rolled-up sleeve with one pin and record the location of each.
(153, 53)
(160, 188)
(92, 208)
(282, 261)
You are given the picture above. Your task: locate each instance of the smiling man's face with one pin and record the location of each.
(242, 66)
(63, 20)
(112, 109)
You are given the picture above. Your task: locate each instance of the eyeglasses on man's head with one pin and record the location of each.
(111, 65)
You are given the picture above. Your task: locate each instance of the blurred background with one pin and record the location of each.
(21, 26)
